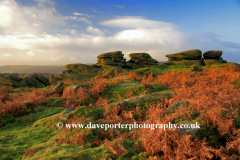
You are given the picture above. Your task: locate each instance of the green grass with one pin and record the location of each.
(159, 70)
(17, 136)
(37, 128)
(112, 91)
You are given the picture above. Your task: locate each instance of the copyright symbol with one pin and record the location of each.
(59, 125)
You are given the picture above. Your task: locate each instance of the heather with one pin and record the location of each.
(28, 116)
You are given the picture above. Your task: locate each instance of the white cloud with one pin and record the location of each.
(35, 44)
(27, 19)
(6, 55)
(95, 31)
(84, 20)
(119, 6)
(41, 3)
(137, 22)
(72, 31)
(72, 58)
(77, 14)
(80, 14)
(30, 53)
(75, 18)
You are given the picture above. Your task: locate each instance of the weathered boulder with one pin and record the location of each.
(194, 54)
(114, 54)
(171, 59)
(32, 82)
(187, 62)
(9, 82)
(4, 85)
(59, 88)
(224, 61)
(212, 54)
(113, 71)
(54, 81)
(81, 68)
(142, 101)
(114, 58)
(22, 83)
(142, 59)
(177, 57)
(195, 68)
(179, 104)
(210, 61)
(220, 59)
(16, 78)
(41, 79)
(13, 83)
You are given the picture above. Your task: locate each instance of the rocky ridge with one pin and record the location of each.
(32, 80)
(194, 57)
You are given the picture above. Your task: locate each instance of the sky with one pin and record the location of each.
(60, 32)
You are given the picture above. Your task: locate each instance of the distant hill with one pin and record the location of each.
(31, 69)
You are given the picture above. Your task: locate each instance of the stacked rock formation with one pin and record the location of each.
(189, 57)
(194, 56)
(32, 80)
(212, 57)
(110, 59)
(141, 59)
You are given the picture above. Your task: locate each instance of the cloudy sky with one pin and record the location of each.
(59, 32)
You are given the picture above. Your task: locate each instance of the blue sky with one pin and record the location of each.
(59, 32)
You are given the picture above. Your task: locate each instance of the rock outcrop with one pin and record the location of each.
(194, 54)
(32, 80)
(213, 57)
(41, 79)
(108, 59)
(212, 54)
(112, 71)
(13, 81)
(141, 59)
(58, 88)
(194, 57)
(79, 68)
(195, 68)
(189, 57)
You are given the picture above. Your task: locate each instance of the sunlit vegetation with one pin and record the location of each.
(28, 117)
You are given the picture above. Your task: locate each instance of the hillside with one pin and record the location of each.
(156, 94)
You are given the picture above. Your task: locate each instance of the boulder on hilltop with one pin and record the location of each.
(142, 59)
(79, 68)
(215, 54)
(194, 54)
(114, 58)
